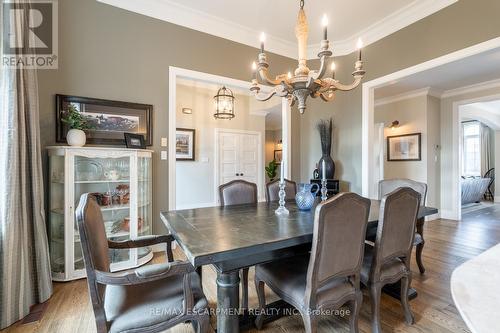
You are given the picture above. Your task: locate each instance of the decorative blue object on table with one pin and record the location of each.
(306, 195)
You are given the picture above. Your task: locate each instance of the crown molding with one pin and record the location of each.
(427, 91)
(471, 88)
(175, 13)
(413, 12)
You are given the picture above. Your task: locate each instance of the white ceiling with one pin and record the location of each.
(447, 79)
(243, 21)
(486, 112)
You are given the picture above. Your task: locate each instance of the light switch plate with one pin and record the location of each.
(163, 155)
(163, 142)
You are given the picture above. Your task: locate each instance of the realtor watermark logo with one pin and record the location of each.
(30, 37)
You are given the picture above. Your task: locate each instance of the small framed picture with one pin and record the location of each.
(278, 156)
(135, 141)
(185, 144)
(405, 147)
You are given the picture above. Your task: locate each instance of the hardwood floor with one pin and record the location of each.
(448, 244)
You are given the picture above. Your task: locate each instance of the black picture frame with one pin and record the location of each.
(135, 141)
(394, 140)
(126, 113)
(185, 150)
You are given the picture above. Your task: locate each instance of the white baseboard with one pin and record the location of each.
(448, 214)
(432, 217)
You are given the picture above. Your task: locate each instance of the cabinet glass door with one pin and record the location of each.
(108, 180)
(144, 211)
(56, 216)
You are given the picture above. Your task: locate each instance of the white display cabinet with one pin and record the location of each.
(121, 181)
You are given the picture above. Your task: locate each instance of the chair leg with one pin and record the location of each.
(405, 286)
(259, 287)
(375, 290)
(418, 255)
(202, 324)
(310, 322)
(420, 247)
(199, 270)
(244, 287)
(355, 306)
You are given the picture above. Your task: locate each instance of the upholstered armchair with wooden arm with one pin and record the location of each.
(150, 298)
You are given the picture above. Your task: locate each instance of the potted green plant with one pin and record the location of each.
(78, 124)
(271, 170)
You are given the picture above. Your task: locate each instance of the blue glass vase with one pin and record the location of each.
(306, 195)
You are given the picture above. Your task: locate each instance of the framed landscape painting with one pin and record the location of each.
(184, 144)
(109, 120)
(405, 147)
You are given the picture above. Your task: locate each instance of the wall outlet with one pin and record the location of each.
(163, 155)
(163, 142)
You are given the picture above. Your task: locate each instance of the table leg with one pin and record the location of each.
(228, 303)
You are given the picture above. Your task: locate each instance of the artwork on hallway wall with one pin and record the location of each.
(109, 120)
(405, 147)
(278, 156)
(185, 144)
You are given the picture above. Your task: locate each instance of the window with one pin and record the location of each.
(471, 157)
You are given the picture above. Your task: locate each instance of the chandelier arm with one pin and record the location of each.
(264, 75)
(264, 97)
(317, 75)
(346, 87)
(327, 98)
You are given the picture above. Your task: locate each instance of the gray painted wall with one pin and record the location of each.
(463, 24)
(109, 53)
(106, 52)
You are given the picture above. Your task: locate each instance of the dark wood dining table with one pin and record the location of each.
(234, 237)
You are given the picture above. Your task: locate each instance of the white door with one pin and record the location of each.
(249, 158)
(238, 157)
(229, 151)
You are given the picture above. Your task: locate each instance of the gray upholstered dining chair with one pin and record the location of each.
(273, 188)
(150, 298)
(385, 187)
(329, 277)
(388, 261)
(239, 192)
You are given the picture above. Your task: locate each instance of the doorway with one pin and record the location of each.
(193, 183)
(442, 85)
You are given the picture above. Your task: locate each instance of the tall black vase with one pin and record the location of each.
(329, 166)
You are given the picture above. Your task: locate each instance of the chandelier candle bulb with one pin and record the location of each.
(359, 46)
(333, 67)
(289, 75)
(254, 70)
(262, 40)
(325, 27)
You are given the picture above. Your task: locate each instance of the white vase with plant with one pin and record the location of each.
(78, 124)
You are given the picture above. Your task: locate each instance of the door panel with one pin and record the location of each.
(238, 157)
(228, 159)
(249, 157)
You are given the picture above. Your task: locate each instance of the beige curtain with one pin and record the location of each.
(24, 254)
(486, 162)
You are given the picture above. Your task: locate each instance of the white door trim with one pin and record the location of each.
(175, 73)
(260, 162)
(368, 102)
